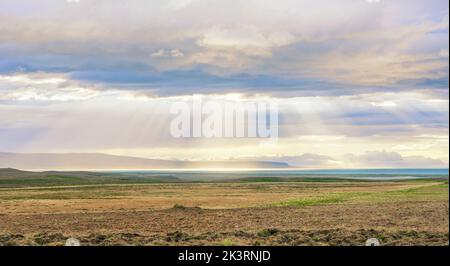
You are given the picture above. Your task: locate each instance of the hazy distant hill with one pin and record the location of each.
(94, 161)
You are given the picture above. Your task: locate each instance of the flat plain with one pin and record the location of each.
(319, 212)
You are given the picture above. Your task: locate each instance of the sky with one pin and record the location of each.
(359, 83)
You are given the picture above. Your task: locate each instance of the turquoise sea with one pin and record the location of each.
(367, 174)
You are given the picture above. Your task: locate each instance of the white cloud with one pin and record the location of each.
(43, 87)
(247, 39)
(159, 53)
(39, 94)
(377, 159)
(174, 53)
(384, 104)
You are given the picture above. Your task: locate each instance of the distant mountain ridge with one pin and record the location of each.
(100, 161)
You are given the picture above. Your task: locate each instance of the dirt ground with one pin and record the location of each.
(397, 213)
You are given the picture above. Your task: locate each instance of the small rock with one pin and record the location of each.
(372, 242)
(72, 242)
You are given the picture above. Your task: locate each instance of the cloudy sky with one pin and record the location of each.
(359, 83)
